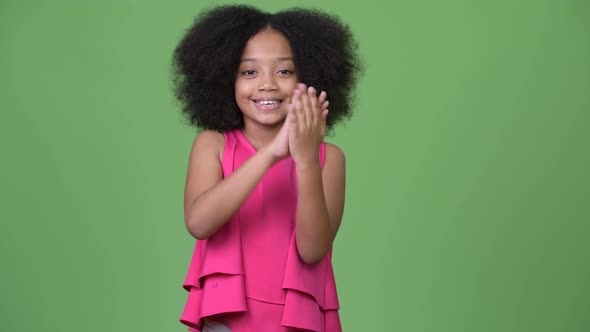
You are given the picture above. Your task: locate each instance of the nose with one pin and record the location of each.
(267, 83)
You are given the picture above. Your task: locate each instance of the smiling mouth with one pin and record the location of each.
(268, 101)
(267, 104)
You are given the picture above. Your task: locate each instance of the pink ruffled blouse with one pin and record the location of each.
(254, 255)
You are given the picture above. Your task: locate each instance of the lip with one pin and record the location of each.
(268, 107)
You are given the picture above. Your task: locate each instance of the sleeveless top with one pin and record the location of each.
(254, 255)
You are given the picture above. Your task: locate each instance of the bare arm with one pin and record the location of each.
(320, 193)
(320, 204)
(210, 200)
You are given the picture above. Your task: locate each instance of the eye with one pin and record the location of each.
(248, 72)
(285, 72)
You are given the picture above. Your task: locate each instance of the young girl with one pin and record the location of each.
(264, 194)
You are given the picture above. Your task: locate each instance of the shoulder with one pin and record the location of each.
(209, 136)
(333, 152)
(209, 141)
(334, 157)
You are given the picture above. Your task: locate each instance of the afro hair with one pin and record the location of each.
(206, 60)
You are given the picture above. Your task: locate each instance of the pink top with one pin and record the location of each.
(254, 255)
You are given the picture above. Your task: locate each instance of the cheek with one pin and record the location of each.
(240, 90)
(289, 86)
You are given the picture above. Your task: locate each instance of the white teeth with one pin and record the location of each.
(268, 102)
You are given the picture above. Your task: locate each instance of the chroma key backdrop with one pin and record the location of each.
(467, 155)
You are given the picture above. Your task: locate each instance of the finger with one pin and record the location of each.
(322, 97)
(323, 122)
(299, 110)
(298, 88)
(311, 91)
(314, 111)
(291, 101)
(301, 86)
(292, 109)
(325, 105)
(285, 126)
(307, 109)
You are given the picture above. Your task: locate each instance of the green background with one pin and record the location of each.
(467, 158)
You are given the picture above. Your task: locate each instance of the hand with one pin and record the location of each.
(307, 124)
(279, 146)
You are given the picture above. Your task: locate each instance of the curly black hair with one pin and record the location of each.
(206, 60)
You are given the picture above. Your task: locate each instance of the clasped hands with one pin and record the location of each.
(304, 128)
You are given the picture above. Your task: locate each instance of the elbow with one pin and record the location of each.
(312, 248)
(312, 259)
(196, 230)
(199, 235)
(193, 224)
(312, 256)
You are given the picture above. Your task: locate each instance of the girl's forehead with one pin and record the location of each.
(267, 44)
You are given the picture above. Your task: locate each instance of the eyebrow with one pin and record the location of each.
(277, 59)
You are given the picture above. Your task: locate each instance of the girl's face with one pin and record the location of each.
(265, 79)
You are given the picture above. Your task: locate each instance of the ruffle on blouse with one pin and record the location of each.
(216, 285)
